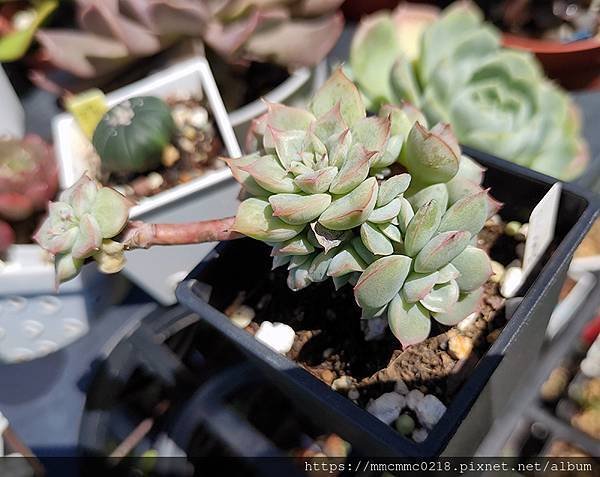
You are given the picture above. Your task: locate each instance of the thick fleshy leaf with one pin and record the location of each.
(352, 209)
(469, 213)
(80, 195)
(372, 132)
(471, 170)
(367, 256)
(447, 273)
(280, 261)
(339, 89)
(319, 267)
(89, 237)
(422, 227)
(330, 123)
(418, 285)
(381, 281)
(316, 182)
(66, 267)
(429, 157)
(475, 268)
(354, 170)
(369, 313)
(255, 219)
(459, 187)
(328, 239)
(111, 211)
(392, 188)
(403, 117)
(389, 154)
(297, 261)
(403, 80)
(466, 304)
(56, 238)
(299, 245)
(242, 177)
(270, 175)
(437, 192)
(298, 209)
(339, 282)
(409, 322)
(391, 231)
(375, 240)
(287, 118)
(288, 145)
(299, 278)
(441, 250)
(345, 261)
(405, 215)
(386, 213)
(442, 298)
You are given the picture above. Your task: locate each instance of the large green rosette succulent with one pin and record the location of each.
(320, 191)
(454, 68)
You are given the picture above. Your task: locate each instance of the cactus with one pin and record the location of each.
(81, 224)
(322, 196)
(28, 180)
(132, 136)
(454, 68)
(290, 33)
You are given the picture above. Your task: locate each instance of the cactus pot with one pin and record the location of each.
(482, 397)
(34, 319)
(211, 195)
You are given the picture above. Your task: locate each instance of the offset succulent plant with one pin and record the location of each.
(291, 33)
(320, 197)
(454, 68)
(81, 224)
(132, 136)
(28, 180)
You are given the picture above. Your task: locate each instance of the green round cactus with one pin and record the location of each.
(322, 195)
(132, 136)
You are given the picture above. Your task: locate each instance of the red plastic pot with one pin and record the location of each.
(574, 65)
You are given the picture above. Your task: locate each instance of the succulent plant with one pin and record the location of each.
(453, 67)
(28, 180)
(291, 33)
(81, 224)
(322, 195)
(132, 136)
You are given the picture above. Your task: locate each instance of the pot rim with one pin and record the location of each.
(549, 47)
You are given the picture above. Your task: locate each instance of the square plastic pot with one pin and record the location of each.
(483, 396)
(212, 195)
(35, 320)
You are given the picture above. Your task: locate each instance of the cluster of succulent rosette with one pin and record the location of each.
(112, 33)
(323, 195)
(28, 180)
(453, 67)
(80, 226)
(378, 202)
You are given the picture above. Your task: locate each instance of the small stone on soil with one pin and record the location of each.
(413, 398)
(374, 328)
(430, 410)
(511, 281)
(242, 316)
(497, 271)
(460, 347)
(277, 336)
(419, 435)
(404, 424)
(387, 407)
(468, 322)
(401, 387)
(342, 384)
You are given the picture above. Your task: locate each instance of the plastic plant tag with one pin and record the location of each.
(540, 233)
(88, 108)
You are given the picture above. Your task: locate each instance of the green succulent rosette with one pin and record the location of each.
(453, 67)
(320, 191)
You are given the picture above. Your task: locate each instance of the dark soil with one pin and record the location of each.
(330, 343)
(24, 229)
(197, 152)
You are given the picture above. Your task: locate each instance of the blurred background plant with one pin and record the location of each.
(28, 181)
(455, 69)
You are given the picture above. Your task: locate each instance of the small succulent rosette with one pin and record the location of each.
(453, 66)
(321, 192)
(80, 226)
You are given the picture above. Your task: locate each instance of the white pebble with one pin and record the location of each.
(511, 281)
(199, 118)
(430, 410)
(387, 407)
(419, 435)
(277, 336)
(243, 316)
(374, 328)
(468, 322)
(590, 366)
(401, 387)
(413, 398)
(341, 384)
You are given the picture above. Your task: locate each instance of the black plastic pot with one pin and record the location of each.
(213, 284)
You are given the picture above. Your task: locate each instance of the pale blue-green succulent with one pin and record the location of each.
(321, 193)
(453, 67)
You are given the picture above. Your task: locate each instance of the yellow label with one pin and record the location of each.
(88, 108)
